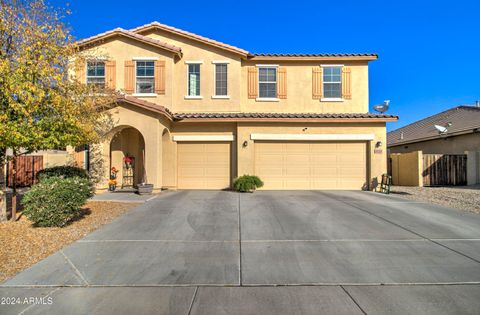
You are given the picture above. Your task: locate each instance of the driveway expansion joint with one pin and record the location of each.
(353, 300)
(413, 232)
(76, 271)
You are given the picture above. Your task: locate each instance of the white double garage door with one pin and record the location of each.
(280, 164)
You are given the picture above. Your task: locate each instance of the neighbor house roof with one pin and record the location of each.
(463, 119)
(174, 30)
(131, 35)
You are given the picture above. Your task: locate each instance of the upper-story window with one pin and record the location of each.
(267, 82)
(96, 74)
(221, 86)
(332, 81)
(145, 77)
(194, 79)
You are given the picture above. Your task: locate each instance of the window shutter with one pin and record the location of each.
(129, 76)
(346, 83)
(317, 83)
(252, 82)
(110, 74)
(160, 77)
(80, 74)
(282, 83)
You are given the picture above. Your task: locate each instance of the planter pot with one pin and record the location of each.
(145, 189)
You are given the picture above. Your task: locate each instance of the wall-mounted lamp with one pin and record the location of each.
(245, 143)
(378, 144)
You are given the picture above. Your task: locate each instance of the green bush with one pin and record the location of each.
(63, 172)
(55, 201)
(247, 183)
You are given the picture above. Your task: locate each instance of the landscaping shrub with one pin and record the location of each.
(63, 172)
(247, 183)
(55, 201)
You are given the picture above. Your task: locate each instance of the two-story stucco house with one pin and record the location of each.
(196, 113)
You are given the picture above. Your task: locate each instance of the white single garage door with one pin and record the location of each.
(203, 165)
(311, 165)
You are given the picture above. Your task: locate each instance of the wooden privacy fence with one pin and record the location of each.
(27, 169)
(444, 169)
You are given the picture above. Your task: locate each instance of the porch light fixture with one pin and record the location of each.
(378, 144)
(245, 143)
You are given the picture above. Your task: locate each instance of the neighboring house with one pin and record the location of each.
(463, 133)
(196, 113)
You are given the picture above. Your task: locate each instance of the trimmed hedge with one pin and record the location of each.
(63, 172)
(247, 183)
(55, 201)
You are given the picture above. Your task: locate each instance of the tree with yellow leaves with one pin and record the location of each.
(42, 105)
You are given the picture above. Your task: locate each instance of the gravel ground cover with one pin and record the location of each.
(465, 198)
(23, 245)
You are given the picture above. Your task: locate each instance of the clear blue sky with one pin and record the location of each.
(429, 51)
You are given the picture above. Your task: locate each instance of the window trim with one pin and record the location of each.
(214, 95)
(102, 60)
(267, 99)
(150, 94)
(199, 96)
(332, 99)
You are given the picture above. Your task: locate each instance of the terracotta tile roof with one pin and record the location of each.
(463, 119)
(146, 105)
(315, 55)
(132, 35)
(283, 116)
(189, 35)
(235, 116)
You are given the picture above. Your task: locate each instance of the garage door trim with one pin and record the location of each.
(312, 137)
(204, 138)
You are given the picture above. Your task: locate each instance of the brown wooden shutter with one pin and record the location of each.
(252, 82)
(282, 83)
(110, 74)
(346, 83)
(129, 76)
(317, 82)
(80, 74)
(160, 77)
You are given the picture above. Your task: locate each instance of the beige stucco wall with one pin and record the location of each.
(299, 90)
(197, 51)
(450, 145)
(121, 49)
(299, 78)
(407, 169)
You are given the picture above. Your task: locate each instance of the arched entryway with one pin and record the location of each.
(127, 155)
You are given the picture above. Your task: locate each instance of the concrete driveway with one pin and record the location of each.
(285, 252)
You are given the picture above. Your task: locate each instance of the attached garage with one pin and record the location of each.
(311, 164)
(204, 165)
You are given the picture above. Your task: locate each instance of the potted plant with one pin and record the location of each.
(143, 188)
(247, 183)
(128, 160)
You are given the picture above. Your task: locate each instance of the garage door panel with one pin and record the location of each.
(203, 165)
(311, 165)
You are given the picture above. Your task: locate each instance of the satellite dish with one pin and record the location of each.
(441, 129)
(382, 108)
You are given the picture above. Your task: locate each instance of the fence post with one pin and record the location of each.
(472, 167)
(420, 168)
